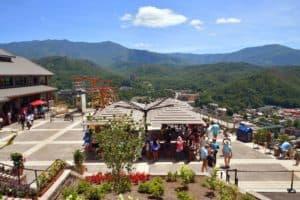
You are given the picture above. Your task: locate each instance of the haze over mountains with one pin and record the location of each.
(111, 54)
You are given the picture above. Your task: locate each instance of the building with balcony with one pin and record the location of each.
(21, 82)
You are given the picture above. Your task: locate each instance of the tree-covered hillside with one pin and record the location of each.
(276, 86)
(65, 68)
(234, 85)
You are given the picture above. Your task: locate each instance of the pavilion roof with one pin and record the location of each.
(170, 111)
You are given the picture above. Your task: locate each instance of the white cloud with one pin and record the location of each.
(126, 17)
(197, 24)
(230, 20)
(153, 17)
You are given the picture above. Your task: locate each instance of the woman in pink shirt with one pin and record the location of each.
(179, 148)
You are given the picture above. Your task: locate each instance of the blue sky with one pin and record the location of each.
(199, 26)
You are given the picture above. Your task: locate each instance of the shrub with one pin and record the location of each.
(156, 189)
(247, 197)
(69, 192)
(78, 157)
(105, 188)
(153, 187)
(83, 187)
(183, 196)
(144, 187)
(94, 194)
(17, 159)
(187, 175)
(171, 177)
(124, 185)
(227, 192)
(212, 181)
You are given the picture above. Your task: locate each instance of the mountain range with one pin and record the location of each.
(109, 54)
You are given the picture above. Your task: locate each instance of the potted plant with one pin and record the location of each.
(78, 160)
(18, 162)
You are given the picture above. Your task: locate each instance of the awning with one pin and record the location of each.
(24, 91)
(38, 102)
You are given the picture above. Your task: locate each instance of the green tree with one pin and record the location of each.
(121, 146)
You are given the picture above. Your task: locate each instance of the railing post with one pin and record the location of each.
(37, 181)
(227, 176)
(291, 189)
(236, 180)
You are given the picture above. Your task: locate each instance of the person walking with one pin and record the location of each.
(227, 153)
(28, 121)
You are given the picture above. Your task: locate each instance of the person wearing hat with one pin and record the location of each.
(227, 153)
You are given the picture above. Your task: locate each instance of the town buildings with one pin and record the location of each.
(21, 82)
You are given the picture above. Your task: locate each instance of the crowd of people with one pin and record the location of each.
(29, 114)
(191, 143)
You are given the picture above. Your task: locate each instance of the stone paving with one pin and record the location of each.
(47, 141)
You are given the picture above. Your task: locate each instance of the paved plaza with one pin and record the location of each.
(47, 141)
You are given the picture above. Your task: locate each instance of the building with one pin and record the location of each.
(21, 82)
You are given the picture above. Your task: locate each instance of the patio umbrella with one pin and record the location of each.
(38, 102)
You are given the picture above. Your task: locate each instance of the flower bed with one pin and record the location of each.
(135, 178)
(46, 178)
(186, 186)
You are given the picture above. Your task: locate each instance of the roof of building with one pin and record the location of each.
(170, 111)
(20, 66)
(6, 94)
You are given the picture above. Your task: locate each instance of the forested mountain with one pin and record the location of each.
(276, 86)
(103, 53)
(109, 54)
(234, 85)
(65, 69)
(262, 55)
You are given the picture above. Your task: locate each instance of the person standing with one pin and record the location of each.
(155, 149)
(285, 147)
(192, 149)
(9, 117)
(215, 148)
(203, 156)
(297, 157)
(179, 148)
(22, 120)
(227, 153)
(215, 129)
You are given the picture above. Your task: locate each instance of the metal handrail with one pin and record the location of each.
(291, 189)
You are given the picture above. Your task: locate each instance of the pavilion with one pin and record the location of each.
(169, 112)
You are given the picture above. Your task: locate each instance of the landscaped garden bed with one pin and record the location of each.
(184, 185)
